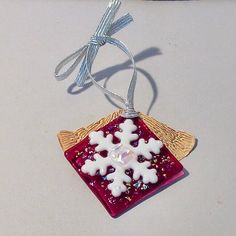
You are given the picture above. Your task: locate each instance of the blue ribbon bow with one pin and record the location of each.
(104, 31)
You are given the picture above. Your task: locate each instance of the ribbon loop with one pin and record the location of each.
(104, 31)
(79, 54)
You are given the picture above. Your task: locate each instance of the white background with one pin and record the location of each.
(194, 69)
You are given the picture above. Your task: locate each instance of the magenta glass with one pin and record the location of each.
(168, 170)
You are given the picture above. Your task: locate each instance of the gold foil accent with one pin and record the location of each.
(179, 143)
(68, 139)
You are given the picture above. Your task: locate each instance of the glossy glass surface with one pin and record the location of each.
(167, 166)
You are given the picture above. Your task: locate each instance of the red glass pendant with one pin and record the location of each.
(123, 163)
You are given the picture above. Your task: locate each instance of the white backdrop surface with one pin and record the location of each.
(188, 50)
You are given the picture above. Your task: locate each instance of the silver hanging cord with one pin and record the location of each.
(88, 53)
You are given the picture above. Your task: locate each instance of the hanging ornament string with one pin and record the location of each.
(104, 31)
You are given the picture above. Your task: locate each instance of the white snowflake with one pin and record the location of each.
(122, 157)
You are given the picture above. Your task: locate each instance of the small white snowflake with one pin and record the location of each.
(122, 157)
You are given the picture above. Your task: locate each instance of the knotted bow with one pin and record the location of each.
(104, 31)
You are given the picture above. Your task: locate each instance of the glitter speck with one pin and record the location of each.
(144, 187)
(104, 177)
(128, 198)
(138, 184)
